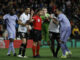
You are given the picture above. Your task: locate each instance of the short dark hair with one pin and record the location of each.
(36, 11)
(10, 9)
(39, 9)
(59, 8)
(26, 7)
(44, 7)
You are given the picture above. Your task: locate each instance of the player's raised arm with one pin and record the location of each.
(20, 20)
(31, 17)
(55, 20)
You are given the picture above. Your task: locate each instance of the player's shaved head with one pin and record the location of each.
(11, 11)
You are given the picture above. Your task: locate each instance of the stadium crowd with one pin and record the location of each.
(70, 7)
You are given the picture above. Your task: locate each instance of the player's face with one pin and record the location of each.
(56, 11)
(44, 10)
(12, 11)
(27, 10)
(40, 13)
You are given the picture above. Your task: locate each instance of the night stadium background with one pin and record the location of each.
(70, 7)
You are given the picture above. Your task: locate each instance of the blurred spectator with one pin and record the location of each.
(1, 25)
(76, 32)
(69, 9)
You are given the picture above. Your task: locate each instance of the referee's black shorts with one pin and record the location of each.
(36, 35)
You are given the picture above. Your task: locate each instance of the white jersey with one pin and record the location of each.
(53, 27)
(24, 18)
(10, 21)
(64, 21)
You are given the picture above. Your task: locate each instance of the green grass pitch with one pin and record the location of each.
(45, 54)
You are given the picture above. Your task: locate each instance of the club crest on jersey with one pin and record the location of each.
(38, 20)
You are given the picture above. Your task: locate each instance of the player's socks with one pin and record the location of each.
(24, 50)
(57, 50)
(68, 52)
(38, 48)
(34, 50)
(9, 50)
(10, 47)
(13, 50)
(66, 48)
(52, 47)
(63, 49)
(20, 49)
(53, 52)
(14, 54)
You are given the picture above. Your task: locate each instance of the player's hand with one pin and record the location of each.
(46, 18)
(29, 27)
(32, 12)
(60, 41)
(51, 17)
(53, 20)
